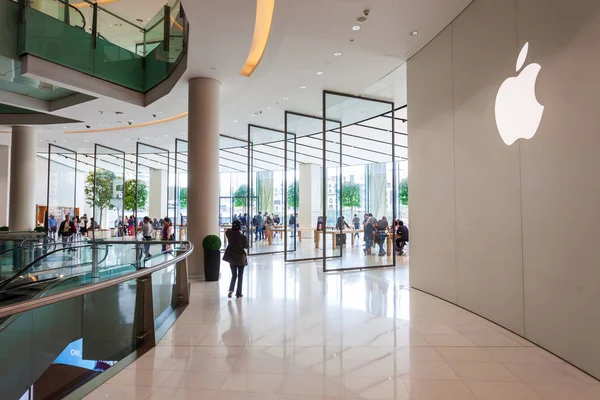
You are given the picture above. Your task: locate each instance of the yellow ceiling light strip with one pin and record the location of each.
(99, 2)
(140, 125)
(262, 30)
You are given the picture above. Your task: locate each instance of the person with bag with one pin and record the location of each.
(235, 255)
(66, 230)
(167, 234)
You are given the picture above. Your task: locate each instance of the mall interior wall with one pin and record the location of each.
(511, 232)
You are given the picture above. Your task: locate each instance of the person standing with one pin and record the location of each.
(235, 255)
(167, 234)
(292, 223)
(132, 226)
(52, 226)
(382, 227)
(147, 234)
(369, 235)
(83, 225)
(356, 223)
(66, 229)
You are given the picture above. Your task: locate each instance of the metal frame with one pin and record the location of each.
(50, 146)
(324, 160)
(94, 188)
(137, 174)
(250, 181)
(393, 160)
(176, 188)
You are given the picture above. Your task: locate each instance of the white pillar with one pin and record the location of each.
(4, 171)
(310, 183)
(158, 194)
(203, 167)
(21, 216)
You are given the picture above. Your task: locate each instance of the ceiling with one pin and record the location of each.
(304, 37)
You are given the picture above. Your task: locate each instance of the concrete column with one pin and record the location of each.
(203, 167)
(310, 197)
(158, 194)
(21, 216)
(4, 171)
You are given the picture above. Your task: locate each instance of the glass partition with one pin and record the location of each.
(267, 170)
(234, 194)
(180, 195)
(151, 188)
(105, 193)
(360, 179)
(61, 190)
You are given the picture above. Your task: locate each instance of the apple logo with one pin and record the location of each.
(518, 113)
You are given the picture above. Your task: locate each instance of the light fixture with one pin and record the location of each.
(356, 28)
(414, 33)
(85, 140)
(64, 127)
(147, 137)
(268, 108)
(183, 101)
(235, 121)
(320, 73)
(286, 98)
(253, 115)
(166, 135)
(337, 54)
(302, 87)
(262, 30)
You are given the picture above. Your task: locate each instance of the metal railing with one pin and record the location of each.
(93, 287)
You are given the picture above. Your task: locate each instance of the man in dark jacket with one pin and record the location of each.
(67, 229)
(235, 255)
(402, 233)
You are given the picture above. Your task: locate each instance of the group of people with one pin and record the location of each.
(147, 228)
(69, 227)
(262, 223)
(377, 231)
(127, 227)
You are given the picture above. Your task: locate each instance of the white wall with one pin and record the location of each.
(511, 232)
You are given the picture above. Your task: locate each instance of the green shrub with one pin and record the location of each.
(4, 229)
(39, 229)
(211, 243)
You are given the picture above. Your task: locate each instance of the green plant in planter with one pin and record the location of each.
(211, 243)
(39, 229)
(4, 229)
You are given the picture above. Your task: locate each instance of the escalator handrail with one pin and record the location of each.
(23, 270)
(94, 287)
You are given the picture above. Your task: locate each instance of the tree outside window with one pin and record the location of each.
(103, 188)
(129, 195)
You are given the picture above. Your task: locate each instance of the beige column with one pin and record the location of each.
(21, 214)
(203, 167)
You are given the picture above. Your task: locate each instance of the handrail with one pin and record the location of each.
(114, 15)
(94, 287)
(6, 282)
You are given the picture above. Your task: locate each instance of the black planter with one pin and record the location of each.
(212, 265)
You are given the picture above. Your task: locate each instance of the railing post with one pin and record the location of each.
(167, 29)
(67, 13)
(182, 284)
(22, 6)
(143, 322)
(95, 24)
(95, 266)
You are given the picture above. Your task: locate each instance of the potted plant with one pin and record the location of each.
(4, 229)
(212, 257)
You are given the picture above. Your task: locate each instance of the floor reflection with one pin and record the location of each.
(299, 334)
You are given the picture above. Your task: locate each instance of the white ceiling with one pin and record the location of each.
(304, 38)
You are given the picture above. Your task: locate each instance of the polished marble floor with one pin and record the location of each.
(299, 334)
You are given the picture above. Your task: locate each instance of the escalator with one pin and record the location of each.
(100, 325)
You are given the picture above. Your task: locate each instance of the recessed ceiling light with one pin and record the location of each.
(356, 28)
(337, 54)
(235, 120)
(64, 141)
(183, 133)
(85, 140)
(64, 127)
(147, 137)
(183, 101)
(253, 115)
(268, 108)
(286, 98)
(414, 33)
(166, 135)
(320, 73)
(302, 87)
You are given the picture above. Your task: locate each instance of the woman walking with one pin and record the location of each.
(235, 255)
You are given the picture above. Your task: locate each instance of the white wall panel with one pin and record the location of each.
(561, 181)
(431, 165)
(488, 199)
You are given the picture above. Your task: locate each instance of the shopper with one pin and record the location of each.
(382, 227)
(235, 255)
(167, 234)
(356, 223)
(67, 229)
(369, 235)
(83, 225)
(52, 226)
(402, 232)
(147, 234)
